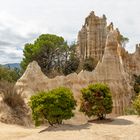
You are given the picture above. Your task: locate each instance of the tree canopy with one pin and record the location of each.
(96, 100)
(53, 106)
(52, 54)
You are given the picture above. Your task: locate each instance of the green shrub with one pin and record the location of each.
(96, 100)
(53, 106)
(130, 111)
(136, 84)
(136, 104)
(8, 74)
(89, 64)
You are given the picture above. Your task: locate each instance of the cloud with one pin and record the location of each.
(23, 21)
(12, 44)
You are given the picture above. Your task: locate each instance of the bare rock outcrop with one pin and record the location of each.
(31, 81)
(92, 37)
(92, 41)
(109, 70)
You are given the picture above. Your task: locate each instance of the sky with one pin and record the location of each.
(22, 21)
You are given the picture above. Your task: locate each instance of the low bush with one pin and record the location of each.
(53, 106)
(96, 100)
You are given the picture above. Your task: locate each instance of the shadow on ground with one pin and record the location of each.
(66, 127)
(113, 121)
(121, 122)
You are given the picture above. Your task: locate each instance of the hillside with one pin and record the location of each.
(121, 128)
(12, 65)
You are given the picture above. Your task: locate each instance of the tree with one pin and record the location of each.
(89, 64)
(8, 74)
(51, 52)
(96, 100)
(122, 40)
(53, 106)
(48, 50)
(72, 63)
(136, 104)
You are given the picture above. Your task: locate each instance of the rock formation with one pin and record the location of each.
(115, 67)
(109, 70)
(131, 62)
(91, 43)
(31, 81)
(92, 37)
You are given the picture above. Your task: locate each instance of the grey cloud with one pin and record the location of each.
(4, 43)
(11, 45)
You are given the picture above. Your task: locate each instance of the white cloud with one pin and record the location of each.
(21, 21)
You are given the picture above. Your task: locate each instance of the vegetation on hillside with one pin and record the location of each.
(89, 64)
(137, 84)
(136, 104)
(8, 74)
(134, 108)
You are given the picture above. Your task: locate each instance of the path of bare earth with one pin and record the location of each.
(120, 128)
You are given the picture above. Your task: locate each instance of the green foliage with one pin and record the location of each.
(71, 65)
(137, 84)
(96, 100)
(10, 75)
(89, 64)
(136, 104)
(53, 106)
(52, 54)
(130, 111)
(122, 40)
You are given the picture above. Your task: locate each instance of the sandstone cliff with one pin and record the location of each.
(92, 40)
(109, 70)
(92, 37)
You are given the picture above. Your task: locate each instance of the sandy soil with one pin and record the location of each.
(121, 128)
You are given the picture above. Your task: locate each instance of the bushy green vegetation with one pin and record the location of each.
(53, 55)
(89, 64)
(10, 75)
(96, 100)
(137, 84)
(130, 111)
(136, 104)
(53, 106)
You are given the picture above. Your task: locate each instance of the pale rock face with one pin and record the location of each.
(32, 80)
(131, 62)
(109, 70)
(92, 40)
(92, 37)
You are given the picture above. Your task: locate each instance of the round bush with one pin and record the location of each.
(96, 100)
(53, 106)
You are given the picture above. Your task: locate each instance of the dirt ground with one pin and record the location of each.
(120, 128)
